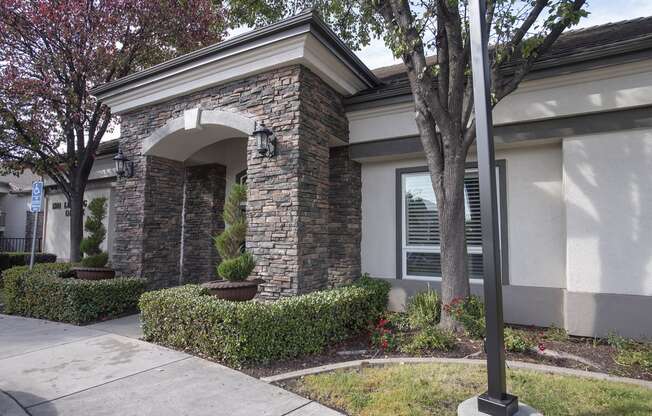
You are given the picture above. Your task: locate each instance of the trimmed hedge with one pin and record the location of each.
(43, 293)
(9, 260)
(238, 332)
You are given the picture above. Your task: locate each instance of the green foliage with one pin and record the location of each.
(9, 260)
(630, 353)
(424, 309)
(384, 336)
(470, 313)
(43, 293)
(554, 333)
(430, 338)
(237, 269)
(97, 260)
(517, 341)
(96, 232)
(238, 332)
(235, 265)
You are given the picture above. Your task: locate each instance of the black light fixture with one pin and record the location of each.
(265, 140)
(124, 168)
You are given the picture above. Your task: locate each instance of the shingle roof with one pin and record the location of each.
(575, 46)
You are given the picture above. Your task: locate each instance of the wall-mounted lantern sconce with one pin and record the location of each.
(265, 140)
(124, 168)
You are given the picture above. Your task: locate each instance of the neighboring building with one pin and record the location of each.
(346, 191)
(56, 232)
(16, 219)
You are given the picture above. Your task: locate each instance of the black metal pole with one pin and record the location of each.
(495, 401)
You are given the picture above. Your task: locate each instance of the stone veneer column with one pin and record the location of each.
(288, 195)
(202, 220)
(345, 217)
(148, 207)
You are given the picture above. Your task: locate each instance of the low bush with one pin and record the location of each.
(43, 293)
(470, 313)
(424, 309)
(517, 341)
(238, 332)
(431, 338)
(9, 260)
(630, 353)
(384, 336)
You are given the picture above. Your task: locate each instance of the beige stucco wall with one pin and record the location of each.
(611, 88)
(57, 224)
(535, 213)
(608, 197)
(231, 153)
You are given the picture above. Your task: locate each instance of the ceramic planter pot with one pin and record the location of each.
(94, 273)
(234, 291)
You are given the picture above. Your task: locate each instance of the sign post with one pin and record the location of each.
(495, 401)
(35, 208)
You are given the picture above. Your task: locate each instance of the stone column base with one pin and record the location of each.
(469, 407)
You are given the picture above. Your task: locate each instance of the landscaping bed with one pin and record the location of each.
(437, 389)
(238, 333)
(415, 334)
(48, 292)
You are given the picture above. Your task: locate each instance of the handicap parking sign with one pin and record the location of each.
(37, 196)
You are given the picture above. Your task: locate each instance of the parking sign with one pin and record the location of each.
(37, 196)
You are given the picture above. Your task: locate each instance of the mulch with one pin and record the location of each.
(596, 351)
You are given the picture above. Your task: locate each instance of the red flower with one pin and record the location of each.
(384, 344)
(542, 347)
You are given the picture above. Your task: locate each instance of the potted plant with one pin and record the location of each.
(236, 264)
(94, 261)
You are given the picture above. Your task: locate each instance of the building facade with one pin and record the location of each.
(346, 191)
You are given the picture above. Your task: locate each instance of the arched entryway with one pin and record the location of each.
(211, 146)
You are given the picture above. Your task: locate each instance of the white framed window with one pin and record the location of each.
(419, 238)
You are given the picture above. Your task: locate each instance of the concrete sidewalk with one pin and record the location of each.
(52, 369)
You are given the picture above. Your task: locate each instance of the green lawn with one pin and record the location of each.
(437, 389)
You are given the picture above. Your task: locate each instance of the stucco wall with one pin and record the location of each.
(534, 211)
(608, 196)
(16, 207)
(57, 224)
(611, 88)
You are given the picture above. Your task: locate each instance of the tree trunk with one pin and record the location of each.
(455, 282)
(76, 205)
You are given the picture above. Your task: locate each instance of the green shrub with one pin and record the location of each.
(43, 293)
(90, 245)
(470, 313)
(9, 260)
(517, 341)
(630, 353)
(424, 309)
(384, 337)
(95, 260)
(238, 332)
(235, 265)
(430, 338)
(238, 268)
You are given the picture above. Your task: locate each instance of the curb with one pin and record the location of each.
(380, 362)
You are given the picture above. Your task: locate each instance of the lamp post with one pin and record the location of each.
(496, 401)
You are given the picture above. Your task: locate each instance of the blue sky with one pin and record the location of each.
(601, 11)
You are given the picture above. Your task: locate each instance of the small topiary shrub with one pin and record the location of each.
(240, 332)
(517, 341)
(424, 309)
(430, 338)
(470, 313)
(43, 293)
(236, 265)
(90, 245)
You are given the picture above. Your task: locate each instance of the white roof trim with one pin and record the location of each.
(283, 49)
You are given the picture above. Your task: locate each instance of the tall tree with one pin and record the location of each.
(520, 32)
(52, 52)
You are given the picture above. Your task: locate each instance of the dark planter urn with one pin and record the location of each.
(93, 273)
(234, 291)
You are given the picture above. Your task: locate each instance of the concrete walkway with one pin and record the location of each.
(52, 369)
